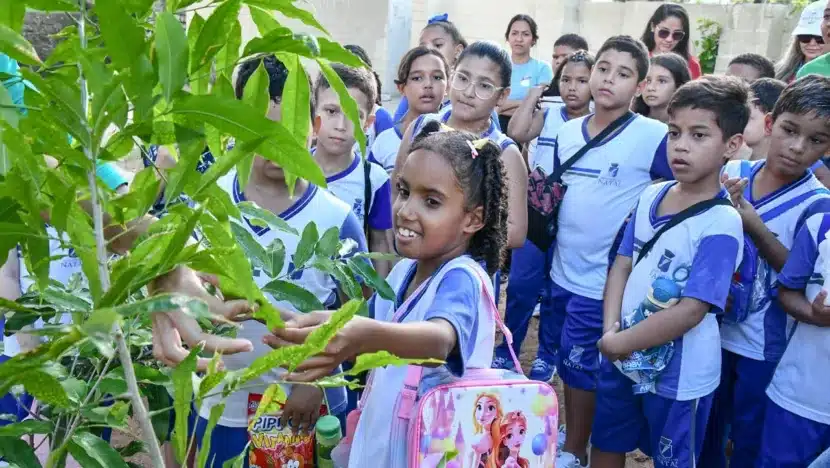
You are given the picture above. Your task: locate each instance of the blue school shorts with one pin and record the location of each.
(789, 440)
(669, 431)
(578, 353)
(226, 443)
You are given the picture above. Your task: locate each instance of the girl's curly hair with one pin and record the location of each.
(483, 181)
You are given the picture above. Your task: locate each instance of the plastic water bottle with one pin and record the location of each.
(328, 436)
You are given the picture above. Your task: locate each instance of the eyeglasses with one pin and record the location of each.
(483, 90)
(807, 38)
(676, 36)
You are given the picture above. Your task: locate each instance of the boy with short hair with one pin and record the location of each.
(750, 67)
(607, 180)
(347, 175)
(764, 94)
(667, 297)
(267, 188)
(565, 46)
(774, 197)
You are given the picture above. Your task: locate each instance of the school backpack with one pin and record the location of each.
(489, 417)
(740, 290)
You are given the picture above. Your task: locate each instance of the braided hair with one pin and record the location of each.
(482, 179)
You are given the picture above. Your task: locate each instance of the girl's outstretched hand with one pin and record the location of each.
(173, 329)
(347, 344)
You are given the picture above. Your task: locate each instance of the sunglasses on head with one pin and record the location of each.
(664, 33)
(807, 38)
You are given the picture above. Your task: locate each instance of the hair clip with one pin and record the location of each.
(446, 128)
(445, 18)
(472, 149)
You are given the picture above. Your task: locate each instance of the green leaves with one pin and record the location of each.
(298, 296)
(296, 114)
(25, 427)
(371, 277)
(256, 92)
(255, 213)
(45, 388)
(183, 393)
(18, 453)
(16, 47)
(214, 34)
(123, 37)
(12, 13)
(92, 451)
(172, 50)
(305, 249)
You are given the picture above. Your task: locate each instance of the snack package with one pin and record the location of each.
(273, 443)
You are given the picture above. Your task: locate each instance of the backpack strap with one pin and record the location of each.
(601, 136)
(412, 381)
(690, 212)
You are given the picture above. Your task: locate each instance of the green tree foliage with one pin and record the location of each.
(140, 72)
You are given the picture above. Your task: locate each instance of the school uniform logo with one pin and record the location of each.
(613, 170)
(609, 178)
(665, 261)
(576, 354)
(357, 208)
(665, 447)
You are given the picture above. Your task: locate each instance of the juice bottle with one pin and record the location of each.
(328, 436)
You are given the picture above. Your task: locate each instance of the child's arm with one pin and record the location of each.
(615, 284)
(706, 290)
(10, 277)
(528, 120)
(516, 169)
(446, 334)
(380, 225)
(769, 247)
(797, 273)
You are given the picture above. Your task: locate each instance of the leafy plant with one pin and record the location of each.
(708, 43)
(126, 67)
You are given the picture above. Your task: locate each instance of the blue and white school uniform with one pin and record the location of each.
(603, 188)
(529, 272)
(384, 150)
(797, 426)
(752, 348)
(454, 294)
(700, 256)
(492, 133)
(350, 187)
(326, 211)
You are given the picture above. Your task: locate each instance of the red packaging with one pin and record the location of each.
(273, 443)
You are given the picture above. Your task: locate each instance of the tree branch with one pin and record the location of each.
(139, 409)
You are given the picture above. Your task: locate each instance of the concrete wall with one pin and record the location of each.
(387, 28)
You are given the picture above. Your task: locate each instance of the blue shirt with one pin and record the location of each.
(527, 75)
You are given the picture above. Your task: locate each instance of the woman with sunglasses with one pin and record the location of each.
(668, 31)
(807, 43)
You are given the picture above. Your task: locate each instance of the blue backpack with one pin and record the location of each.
(744, 279)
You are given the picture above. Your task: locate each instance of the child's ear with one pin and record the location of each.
(318, 122)
(505, 93)
(400, 88)
(474, 221)
(768, 123)
(458, 49)
(734, 145)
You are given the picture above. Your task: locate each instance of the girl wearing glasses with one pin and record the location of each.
(479, 84)
(668, 31)
(806, 45)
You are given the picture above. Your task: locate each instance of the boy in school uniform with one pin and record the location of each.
(774, 197)
(797, 420)
(268, 189)
(666, 286)
(603, 188)
(347, 174)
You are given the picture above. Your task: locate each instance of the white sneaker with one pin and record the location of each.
(569, 460)
(537, 309)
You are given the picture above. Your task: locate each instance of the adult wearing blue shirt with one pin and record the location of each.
(522, 35)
